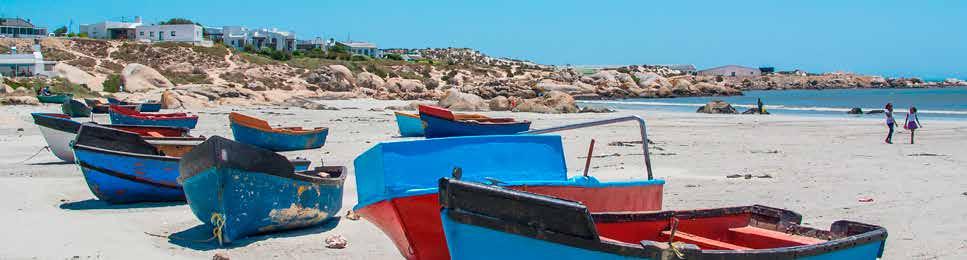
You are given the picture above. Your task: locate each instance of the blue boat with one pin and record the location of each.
(254, 131)
(440, 122)
(489, 222)
(127, 116)
(122, 167)
(149, 107)
(410, 125)
(239, 190)
(396, 183)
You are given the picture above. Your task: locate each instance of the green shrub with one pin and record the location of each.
(112, 84)
(360, 58)
(393, 56)
(82, 35)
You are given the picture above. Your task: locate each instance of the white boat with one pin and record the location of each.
(59, 131)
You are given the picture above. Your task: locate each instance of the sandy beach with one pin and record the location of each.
(818, 166)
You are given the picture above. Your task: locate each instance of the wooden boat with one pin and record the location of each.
(254, 131)
(489, 222)
(59, 131)
(75, 108)
(142, 107)
(240, 189)
(126, 116)
(396, 183)
(122, 167)
(410, 124)
(55, 98)
(440, 122)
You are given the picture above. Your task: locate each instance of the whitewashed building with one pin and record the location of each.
(238, 37)
(20, 28)
(189, 33)
(111, 30)
(21, 64)
(731, 71)
(362, 48)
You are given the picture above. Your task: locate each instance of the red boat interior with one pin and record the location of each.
(725, 232)
(447, 114)
(263, 125)
(134, 113)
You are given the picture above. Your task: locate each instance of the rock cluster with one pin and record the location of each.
(717, 107)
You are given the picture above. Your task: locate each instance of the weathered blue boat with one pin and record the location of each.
(397, 183)
(254, 131)
(127, 116)
(240, 189)
(410, 125)
(121, 167)
(489, 222)
(440, 122)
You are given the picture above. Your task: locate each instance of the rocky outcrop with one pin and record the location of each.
(717, 107)
(855, 111)
(77, 76)
(500, 103)
(369, 80)
(19, 100)
(552, 102)
(139, 78)
(456, 100)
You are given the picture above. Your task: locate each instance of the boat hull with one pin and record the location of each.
(75, 108)
(122, 119)
(439, 127)
(59, 142)
(53, 99)
(409, 125)
(119, 178)
(276, 141)
(475, 242)
(252, 203)
(414, 226)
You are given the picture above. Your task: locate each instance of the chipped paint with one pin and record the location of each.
(294, 216)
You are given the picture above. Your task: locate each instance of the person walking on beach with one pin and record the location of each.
(890, 122)
(912, 123)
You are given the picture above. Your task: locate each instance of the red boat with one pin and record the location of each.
(397, 183)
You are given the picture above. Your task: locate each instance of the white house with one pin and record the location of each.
(17, 64)
(731, 71)
(190, 33)
(111, 30)
(362, 48)
(239, 37)
(20, 28)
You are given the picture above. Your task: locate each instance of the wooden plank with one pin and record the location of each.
(702, 242)
(765, 234)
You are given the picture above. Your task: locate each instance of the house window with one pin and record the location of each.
(172, 33)
(142, 33)
(151, 34)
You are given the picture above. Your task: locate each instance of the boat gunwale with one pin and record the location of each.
(855, 233)
(471, 121)
(130, 113)
(207, 155)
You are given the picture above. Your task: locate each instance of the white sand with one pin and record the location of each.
(820, 167)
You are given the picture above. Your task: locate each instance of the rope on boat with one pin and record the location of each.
(671, 240)
(217, 220)
(35, 155)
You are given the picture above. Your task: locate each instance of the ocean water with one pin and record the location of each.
(937, 103)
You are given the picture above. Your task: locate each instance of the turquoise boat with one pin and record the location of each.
(410, 125)
(490, 222)
(75, 108)
(239, 190)
(54, 99)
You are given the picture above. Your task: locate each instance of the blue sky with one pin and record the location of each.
(893, 38)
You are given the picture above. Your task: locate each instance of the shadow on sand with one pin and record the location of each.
(200, 237)
(93, 204)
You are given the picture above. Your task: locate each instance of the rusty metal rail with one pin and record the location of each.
(641, 126)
